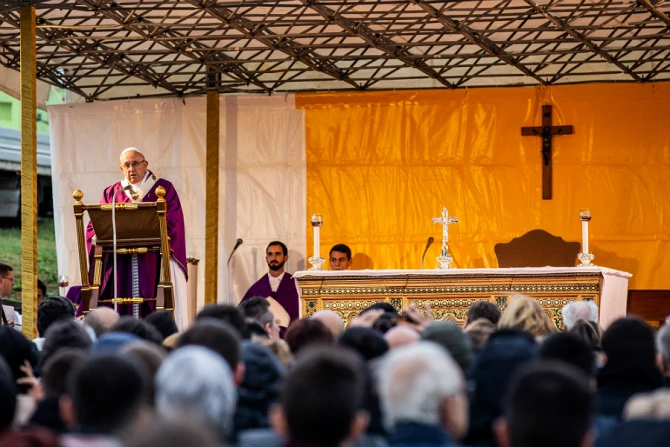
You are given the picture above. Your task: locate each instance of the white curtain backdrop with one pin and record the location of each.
(262, 174)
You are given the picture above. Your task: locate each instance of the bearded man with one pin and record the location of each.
(277, 284)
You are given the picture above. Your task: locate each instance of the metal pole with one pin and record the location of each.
(28, 171)
(212, 191)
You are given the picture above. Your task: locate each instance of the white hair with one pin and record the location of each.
(413, 382)
(579, 310)
(194, 380)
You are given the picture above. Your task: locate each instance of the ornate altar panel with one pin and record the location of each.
(451, 292)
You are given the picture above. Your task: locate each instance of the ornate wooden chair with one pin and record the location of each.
(537, 248)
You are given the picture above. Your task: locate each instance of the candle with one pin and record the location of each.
(317, 221)
(585, 216)
(316, 242)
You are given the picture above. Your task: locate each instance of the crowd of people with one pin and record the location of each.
(385, 378)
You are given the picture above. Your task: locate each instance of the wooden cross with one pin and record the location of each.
(546, 132)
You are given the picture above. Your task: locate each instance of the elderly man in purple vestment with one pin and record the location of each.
(139, 185)
(277, 284)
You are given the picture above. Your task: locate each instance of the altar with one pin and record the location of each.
(450, 293)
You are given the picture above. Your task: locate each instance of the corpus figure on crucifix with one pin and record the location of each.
(546, 132)
(445, 220)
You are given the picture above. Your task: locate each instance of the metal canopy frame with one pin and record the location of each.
(112, 49)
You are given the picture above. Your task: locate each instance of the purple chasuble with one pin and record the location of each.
(149, 266)
(286, 294)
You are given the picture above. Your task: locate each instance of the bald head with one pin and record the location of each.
(331, 320)
(400, 336)
(101, 320)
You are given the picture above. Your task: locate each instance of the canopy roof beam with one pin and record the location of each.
(377, 40)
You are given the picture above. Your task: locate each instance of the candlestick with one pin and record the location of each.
(585, 257)
(317, 260)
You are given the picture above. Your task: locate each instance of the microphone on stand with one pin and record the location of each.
(128, 187)
(237, 245)
(428, 244)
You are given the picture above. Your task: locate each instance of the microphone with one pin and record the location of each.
(430, 241)
(237, 244)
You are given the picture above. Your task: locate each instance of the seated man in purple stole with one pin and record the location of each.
(139, 185)
(277, 284)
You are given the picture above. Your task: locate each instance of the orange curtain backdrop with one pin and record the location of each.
(381, 164)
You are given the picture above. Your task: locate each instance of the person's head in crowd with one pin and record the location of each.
(652, 406)
(307, 332)
(549, 405)
(279, 348)
(383, 305)
(340, 257)
(52, 309)
(482, 310)
(181, 432)
(195, 381)
(221, 338)
(62, 335)
(16, 350)
(57, 370)
(105, 395)
(226, 313)
(454, 340)
(321, 399)
(401, 335)
(504, 353)
(526, 314)
(6, 280)
(332, 321)
(139, 328)
(7, 397)
(587, 331)
(367, 342)
(254, 329)
(421, 384)
(386, 322)
(579, 310)
(170, 343)
(663, 347)
(631, 368)
(276, 255)
(150, 356)
(113, 342)
(259, 390)
(258, 308)
(479, 332)
(163, 322)
(570, 349)
(101, 319)
(41, 291)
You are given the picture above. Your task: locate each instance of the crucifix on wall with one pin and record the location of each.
(546, 132)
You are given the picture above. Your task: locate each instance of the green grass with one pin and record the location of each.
(10, 253)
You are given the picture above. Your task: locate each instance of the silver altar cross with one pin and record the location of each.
(445, 220)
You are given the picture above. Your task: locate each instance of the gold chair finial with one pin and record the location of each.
(78, 195)
(160, 192)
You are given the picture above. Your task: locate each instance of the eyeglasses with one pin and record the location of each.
(134, 164)
(12, 279)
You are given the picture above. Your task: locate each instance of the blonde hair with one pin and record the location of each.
(526, 314)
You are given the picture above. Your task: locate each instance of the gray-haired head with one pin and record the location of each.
(196, 381)
(414, 381)
(579, 310)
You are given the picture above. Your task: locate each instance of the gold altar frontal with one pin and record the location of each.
(448, 293)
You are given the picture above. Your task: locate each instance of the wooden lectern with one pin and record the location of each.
(141, 228)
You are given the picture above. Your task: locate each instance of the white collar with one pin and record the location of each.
(140, 190)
